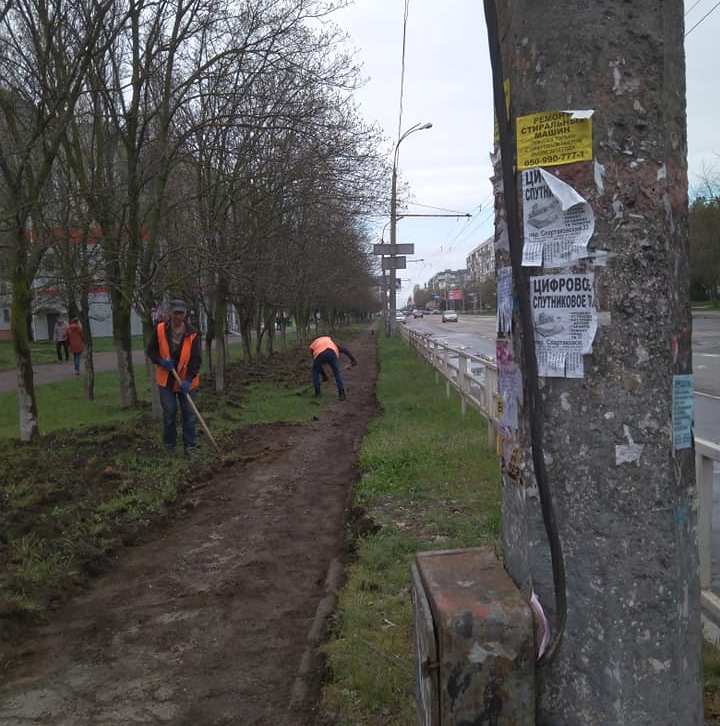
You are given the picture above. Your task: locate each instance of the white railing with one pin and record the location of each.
(475, 379)
(707, 455)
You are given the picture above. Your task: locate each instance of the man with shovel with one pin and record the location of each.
(174, 346)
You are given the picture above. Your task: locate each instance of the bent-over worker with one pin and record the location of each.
(325, 351)
(176, 345)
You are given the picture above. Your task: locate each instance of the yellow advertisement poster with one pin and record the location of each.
(554, 138)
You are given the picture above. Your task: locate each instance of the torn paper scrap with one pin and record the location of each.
(587, 113)
(557, 222)
(629, 453)
(565, 322)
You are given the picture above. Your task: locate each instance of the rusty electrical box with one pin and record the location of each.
(474, 642)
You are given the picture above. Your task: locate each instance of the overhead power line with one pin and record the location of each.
(694, 5)
(704, 17)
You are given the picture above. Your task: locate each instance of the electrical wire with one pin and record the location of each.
(704, 17)
(522, 290)
(402, 68)
(694, 5)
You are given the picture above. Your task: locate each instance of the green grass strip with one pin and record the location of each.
(430, 482)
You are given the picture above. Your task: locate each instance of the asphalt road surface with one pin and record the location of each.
(476, 334)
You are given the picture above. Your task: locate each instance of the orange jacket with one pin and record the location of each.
(322, 344)
(161, 374)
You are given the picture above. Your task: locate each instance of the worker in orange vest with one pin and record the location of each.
(175, 344)
(326, 352)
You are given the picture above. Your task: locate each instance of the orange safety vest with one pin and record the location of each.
(319, 345)
(161, 374)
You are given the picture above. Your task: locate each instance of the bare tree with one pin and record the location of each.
(46, 47)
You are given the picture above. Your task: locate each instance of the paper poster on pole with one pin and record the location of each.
(682, 411)
(509, 386)
(504, 299)
(558, 223)
(554, 138)
(565, 322)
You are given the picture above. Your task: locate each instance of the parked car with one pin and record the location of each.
(436, 312)
(417, 313)
(449, 316)
(399, 317)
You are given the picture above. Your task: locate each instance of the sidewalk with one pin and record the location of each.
(54, 372)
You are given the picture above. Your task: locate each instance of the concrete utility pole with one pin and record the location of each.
(622, 489)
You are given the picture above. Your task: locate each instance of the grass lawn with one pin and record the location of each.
(44, 352)
(430, 482)
(63, 405)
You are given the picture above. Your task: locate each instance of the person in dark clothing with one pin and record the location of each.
(174, 345)
(326, 352)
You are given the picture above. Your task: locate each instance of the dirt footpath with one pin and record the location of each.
(207, 624)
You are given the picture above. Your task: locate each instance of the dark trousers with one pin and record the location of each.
(169, 402)
(327, 357)
(61, 345)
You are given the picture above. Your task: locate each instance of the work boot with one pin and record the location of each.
(342, 396)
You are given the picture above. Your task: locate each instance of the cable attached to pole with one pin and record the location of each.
(522, 286)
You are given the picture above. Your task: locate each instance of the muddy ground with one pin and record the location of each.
(206, 625)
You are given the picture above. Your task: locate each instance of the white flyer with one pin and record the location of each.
(558, 223)
(565, 322)
(504, 300)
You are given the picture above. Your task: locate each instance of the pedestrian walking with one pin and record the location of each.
(59, 336)
(325, 351)
(76, 342)
(175, 345)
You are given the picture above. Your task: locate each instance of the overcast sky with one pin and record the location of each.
(447, 82)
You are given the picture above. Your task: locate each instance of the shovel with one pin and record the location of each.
(197, 413)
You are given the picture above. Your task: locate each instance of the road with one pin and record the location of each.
(476, 334)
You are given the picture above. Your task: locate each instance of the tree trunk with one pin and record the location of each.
(623, 492)
(89, 360)
(155, 406)
(122, 340)
(21, 306)
(220, 349)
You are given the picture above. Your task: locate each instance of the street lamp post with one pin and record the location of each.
(393, 220)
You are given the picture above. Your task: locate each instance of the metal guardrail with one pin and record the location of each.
(475, 379)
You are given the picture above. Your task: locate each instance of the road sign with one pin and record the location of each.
(407, 249)
(378, 280)
(394, 263)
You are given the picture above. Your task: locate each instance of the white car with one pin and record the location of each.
(449, 316)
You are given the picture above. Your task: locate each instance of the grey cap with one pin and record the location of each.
(178, 306)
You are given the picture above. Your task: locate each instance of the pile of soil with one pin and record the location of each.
(206, 624)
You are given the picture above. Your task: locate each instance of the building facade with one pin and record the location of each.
(481, 262)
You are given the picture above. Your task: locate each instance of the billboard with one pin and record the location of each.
(455, 294)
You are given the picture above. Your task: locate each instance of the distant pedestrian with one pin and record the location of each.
(325, 351)
(175, 345)
(76, 342)
(59, 334)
